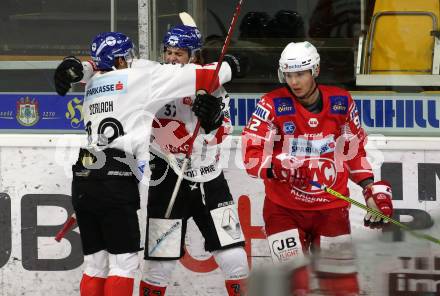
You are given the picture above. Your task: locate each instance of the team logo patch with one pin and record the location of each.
(313, 122)
(289, 127)
(261, 112)
(113, 85)
(324, 171)
(187, 101)
(173, 40)
(283, 106)
(110, 41)
(338, 104)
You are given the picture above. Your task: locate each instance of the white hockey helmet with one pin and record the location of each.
(297, 57)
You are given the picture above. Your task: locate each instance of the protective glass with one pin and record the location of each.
(130, 56)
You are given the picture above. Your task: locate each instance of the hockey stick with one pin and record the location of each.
(197, 128)
(70, 223)
(375, 212)
(187, 19)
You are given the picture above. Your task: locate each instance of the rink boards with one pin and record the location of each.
(35, 200)
(406, 114)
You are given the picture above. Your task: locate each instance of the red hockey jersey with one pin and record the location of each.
(331, 144)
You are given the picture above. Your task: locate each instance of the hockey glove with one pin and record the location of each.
(69, 71)
(209, 111)
(378, 196)
(238, 65)
(290, 170)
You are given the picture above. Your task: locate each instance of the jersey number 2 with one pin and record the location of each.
(254, 124)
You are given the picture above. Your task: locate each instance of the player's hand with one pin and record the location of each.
(70, 70)
(209, 111)
(292, 171)
(238, 64)
(378, 196)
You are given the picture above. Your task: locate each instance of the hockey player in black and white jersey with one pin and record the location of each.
(118, 109)
(204, 193)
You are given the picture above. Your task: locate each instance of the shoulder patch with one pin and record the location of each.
(283, 106)
(289, 127)
(261, 112)
(338, 104)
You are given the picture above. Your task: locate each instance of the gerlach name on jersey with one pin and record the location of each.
(101, 107)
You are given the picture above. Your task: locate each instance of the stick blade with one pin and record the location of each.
(187, 20)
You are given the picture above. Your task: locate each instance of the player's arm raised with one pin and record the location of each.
(72, 70)
(186, 80)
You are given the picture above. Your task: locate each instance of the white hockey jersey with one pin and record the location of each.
(119, 106)
(172, 128)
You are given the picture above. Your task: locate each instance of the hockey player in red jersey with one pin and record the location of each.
(118, 105)
(304, 131)
(204, 193)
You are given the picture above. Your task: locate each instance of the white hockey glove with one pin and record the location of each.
(378, 196)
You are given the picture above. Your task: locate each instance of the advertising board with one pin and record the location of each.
(35, 202)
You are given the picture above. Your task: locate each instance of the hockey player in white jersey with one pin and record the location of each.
(119, 106)
(204, 193)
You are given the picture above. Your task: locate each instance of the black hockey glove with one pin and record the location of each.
(238, 65)
(70, 70)
(209, 111)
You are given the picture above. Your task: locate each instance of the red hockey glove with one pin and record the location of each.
(290, 170)
(378, 196)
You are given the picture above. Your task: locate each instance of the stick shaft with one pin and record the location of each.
(197, 127)
(226, 44)
(377, 213)
(217, 69)
(69, 225)
(176, 188)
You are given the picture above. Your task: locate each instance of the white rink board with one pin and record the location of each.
(35, 185)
